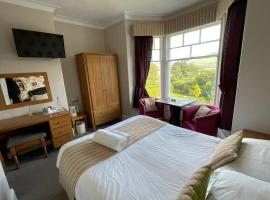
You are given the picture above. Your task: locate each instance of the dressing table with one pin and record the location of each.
(60, 125)
(25, 89)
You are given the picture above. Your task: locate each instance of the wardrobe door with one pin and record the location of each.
(110, 77)
(97, 87)
(85, 88)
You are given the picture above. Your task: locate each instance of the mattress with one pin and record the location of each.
(155, 167)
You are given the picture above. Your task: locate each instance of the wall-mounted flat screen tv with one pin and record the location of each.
(38, 44)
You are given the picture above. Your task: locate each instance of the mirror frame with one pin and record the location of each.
(28, 103)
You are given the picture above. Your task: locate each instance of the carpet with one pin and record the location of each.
(37, 178)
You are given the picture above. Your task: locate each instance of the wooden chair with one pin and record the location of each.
(20, 142)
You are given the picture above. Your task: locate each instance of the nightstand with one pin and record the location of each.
(79, 117)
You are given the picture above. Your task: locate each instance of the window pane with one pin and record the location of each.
(194, 79)
(155, 55)
(153, 80)
(211, 33)
(179, 53)
(192, 37)
(176, 41)
(156, 43)
(207, 49)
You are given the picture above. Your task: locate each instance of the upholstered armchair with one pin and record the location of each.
(207, 124)
(158, 114)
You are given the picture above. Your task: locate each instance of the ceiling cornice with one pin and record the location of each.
(143, 17)
(68, 20)
(38, 5)
(33, 4)
(113, 21)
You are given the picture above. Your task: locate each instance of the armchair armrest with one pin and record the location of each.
(208, 124)
(189, 112)
(160, 107)
(141, 108)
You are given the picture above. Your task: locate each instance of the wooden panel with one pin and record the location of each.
(59, 121)
(101, 95)
(26, 145)
(110, 77)
(85, 88)
(61, 126)
(58, 142)
(109, 114)
(65, 130)
(256, 135)
(96, 82)
(21, 122)
(66, 123)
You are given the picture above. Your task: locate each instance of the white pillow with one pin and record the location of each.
(231, 185)
(201, 112)
(253, 159)
(109, 139)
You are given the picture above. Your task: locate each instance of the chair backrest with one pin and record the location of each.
(214, 108)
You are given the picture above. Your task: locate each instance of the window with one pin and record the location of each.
(153, 79)
(192, 63)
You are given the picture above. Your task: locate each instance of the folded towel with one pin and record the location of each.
(126, 135)
(111, 140)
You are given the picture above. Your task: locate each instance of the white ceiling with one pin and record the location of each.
(104, 12)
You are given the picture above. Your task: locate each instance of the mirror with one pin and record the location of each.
(22, 89)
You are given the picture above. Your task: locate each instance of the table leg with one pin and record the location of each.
(175, 115)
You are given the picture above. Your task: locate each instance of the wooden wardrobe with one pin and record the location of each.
(98, 76)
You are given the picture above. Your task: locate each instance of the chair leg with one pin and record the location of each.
(44, 147)
(14, 155)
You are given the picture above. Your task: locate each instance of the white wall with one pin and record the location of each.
(116, 41)
(77, 39)
(63, 77)
(12, 16)
(252, 106)
(131, 64)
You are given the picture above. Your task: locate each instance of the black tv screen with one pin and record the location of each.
(38, 44)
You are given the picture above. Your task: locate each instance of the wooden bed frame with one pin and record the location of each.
(256, 135)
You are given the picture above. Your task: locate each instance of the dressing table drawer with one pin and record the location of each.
(58, 142)
(61, 131)
(60, 121)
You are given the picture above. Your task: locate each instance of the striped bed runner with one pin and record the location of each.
(77, 158)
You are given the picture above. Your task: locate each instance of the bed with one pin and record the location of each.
(155, 167)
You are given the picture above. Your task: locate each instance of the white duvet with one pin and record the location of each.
(155, 167)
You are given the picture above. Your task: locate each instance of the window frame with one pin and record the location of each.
(166, 84)
(161, 49)
(164, 57)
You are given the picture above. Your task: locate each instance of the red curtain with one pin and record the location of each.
(231, 60)
(143, 54)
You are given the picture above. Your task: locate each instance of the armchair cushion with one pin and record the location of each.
(159, 109)
(150, 105)
(201, 112)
